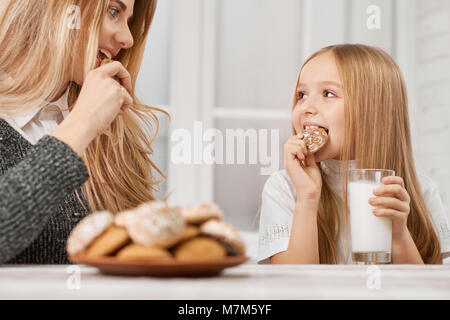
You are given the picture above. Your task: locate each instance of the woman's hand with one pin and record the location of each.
(305, 176)
(100, 101)
(392, 201)
(102, 98)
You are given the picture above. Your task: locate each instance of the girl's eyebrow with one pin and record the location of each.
(333, 83)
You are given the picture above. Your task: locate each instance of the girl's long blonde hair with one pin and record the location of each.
(378, 132)
(38, 39)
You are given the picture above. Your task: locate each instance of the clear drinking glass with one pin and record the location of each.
(371, 235)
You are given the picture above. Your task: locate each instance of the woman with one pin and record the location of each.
(91, 152)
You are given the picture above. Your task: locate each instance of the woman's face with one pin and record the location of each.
(320, 101)
(115, 33)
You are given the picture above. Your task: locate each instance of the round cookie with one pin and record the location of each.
(149, 225)
(200, 249)
(190, 232)
(226, 234)
(87, 230)
(140, 252)
(199, 214)
(121, 218)
(108, 242)
(315, 138)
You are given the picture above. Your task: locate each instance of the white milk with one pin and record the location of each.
(369, 232)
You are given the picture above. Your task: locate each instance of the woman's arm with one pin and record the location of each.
(303, 242)
(32, 189)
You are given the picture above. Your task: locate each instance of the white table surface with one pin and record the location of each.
(247, 281)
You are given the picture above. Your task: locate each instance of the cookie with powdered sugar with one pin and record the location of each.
(153, 224)
(201, 213)
(87, 230)
(226, 234)
(315, 138)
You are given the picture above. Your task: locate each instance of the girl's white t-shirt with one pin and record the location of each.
(278, 204)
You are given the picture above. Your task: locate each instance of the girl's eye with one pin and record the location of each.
(114, 12)
(301, 95)
(329, 94)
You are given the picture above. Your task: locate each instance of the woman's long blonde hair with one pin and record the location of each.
(377, 131)
(37, 41)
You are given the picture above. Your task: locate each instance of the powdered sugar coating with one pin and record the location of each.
(315, 139)
(226, 234)
(154, 225)
(123, 217)
(87, 230)
(200, 213)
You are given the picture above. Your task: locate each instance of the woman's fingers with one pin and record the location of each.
(116, 69)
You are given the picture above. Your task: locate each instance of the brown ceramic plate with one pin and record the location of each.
(114, 266)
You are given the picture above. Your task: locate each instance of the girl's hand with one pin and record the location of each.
(305, 176)
(392, 201)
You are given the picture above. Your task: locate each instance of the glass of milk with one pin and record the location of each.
(371, 235)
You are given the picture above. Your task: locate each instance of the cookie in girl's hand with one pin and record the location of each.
(315, 138)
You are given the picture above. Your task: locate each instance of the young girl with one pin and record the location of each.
(93, 152)
(357, 93)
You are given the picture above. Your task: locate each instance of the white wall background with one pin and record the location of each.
(232, 64)
(432, 91)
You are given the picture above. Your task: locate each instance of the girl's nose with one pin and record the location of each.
(309, 106)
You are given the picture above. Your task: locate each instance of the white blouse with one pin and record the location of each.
(278, 204)
(39, 122)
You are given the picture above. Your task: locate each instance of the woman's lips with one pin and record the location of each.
(99, 61)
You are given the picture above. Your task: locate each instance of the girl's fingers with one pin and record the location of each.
(393, 180)
(295, 151)
(389, 203)
(387, 213)
(392, 190)
(300, 143)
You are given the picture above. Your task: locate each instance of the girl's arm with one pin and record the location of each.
(404, 250)
(393, 201)
(303, 243)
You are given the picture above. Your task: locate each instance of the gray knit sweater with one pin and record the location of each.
(38, 205)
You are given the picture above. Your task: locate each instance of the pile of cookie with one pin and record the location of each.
(157, 231)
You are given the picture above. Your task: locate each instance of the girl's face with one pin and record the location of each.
(320, 101)
(115, 33)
